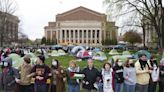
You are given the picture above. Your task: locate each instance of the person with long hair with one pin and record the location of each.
(154, 75)
(161, 76)
(73, 83)
(118, 75)
(108, 78)
(129, 76)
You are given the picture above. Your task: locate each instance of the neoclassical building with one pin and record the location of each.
(80, 26)
(8, 28)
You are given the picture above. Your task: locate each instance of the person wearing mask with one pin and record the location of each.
(25, 70)
(108, 78)
(73, 83)
(161, 76)
(143, 73)
(118, 76)
(129, 76)
(41, 73)
(91, 74)
(154, 75)
(58, 77)
(8, 77)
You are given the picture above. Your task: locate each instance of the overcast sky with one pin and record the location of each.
(35, 14)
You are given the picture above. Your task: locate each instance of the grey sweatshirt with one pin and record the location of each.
(130, 74)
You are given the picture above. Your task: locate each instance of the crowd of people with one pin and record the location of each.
(141, 76)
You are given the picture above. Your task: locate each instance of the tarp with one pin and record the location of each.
(76, 49)
(99, 56)
(113, 52)
(148, 54)
(83, 54)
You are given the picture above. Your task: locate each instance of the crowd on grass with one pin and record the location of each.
(144, 75)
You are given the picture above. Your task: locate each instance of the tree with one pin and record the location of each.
(43, 40)
(132, 37)
(137, 10)
(6, 7)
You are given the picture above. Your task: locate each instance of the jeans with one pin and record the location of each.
(141, 88)
(73, 88)
(53, 88)
(118, 87)
(152, 87)
(25, 88)
(40, 88)
(129, 88)
(161, 86)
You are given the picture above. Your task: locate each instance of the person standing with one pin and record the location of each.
(91, 74)
(25, 70)
(161, 76)
(41, 73)
(154, 75)
(118, 76)
(108, 78)
(58, 77)
(143, 73)
(129, 76)
(8, 77)
(73, 83)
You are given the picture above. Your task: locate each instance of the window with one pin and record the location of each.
(63, 34)
(85, 33)
(98, 33)
(89, 33)
(93, 35)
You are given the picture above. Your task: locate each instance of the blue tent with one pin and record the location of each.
(148, 54)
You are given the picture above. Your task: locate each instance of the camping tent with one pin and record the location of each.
(76, 49)
(99, 56)
(127, 54)
(136, 55)
(83, 54)
(113, 52)
(54, 53)
(120, 57)
(16, 60)
(61, 52)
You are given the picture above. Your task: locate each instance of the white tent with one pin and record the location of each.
(61, 52)
(99, 56)
(113, 52)
(76, 49)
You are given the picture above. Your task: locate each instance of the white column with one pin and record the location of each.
(69, 36)
(87, 37)
(95, 37)
(46, 33)
(51, 34)
(100, 36)
(65, 35)
(78, 33)
(91, 38)
(74, 38)
(82, 36)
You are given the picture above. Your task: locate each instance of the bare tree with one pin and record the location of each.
(140, 11)
(7, 7)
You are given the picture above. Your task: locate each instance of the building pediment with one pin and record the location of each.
(81, 13)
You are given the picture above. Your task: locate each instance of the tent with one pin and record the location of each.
(56, 47)
(61, 52)
(127, 54)
(83, 54)
(96, 50)
(99, 56)
(113, 52)
(16, 60)
(54, 53)
(120, 57)
(76, 49)
(136, 55)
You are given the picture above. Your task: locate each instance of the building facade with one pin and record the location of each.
(8, 28)
(79, 26)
